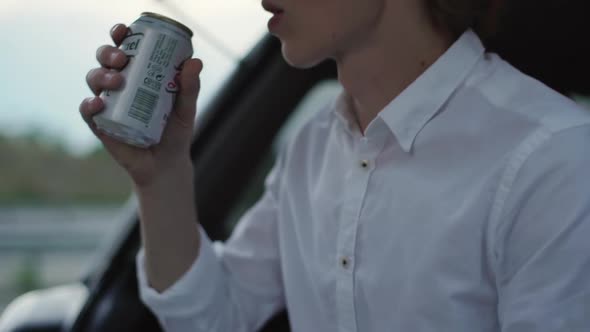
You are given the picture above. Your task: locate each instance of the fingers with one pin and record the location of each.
(108, 77)
(118, 33)
(186, 100)
(111, 57)
(90, 107)
(100, 79)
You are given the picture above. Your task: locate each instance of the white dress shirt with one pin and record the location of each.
(465, 207)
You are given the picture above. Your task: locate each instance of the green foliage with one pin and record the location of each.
(35, 171)
(27, 278)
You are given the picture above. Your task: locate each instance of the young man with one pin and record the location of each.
(442, 191)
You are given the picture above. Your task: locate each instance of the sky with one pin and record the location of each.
(48, 46)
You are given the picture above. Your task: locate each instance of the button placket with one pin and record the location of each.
(366, 152)
(357, 183)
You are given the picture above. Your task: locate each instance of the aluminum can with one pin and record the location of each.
(156, 47)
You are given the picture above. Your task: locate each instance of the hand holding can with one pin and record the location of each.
(144, 165)
(156, 48)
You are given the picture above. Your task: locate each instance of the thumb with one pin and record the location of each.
(189, 86)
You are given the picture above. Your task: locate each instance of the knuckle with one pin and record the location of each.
(90, 75)
(118, 33)
(112, 79)
(106, 55)
(90, 79)
(83, 106)
(100, 52)
(90, 106)
(118, 59)
(115, 28)
(114, 58)
(94, 76)
(86, 105)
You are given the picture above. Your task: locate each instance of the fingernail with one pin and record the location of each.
(114, 57)
(114, 28)
(91, 101)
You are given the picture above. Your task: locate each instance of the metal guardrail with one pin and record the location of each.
(54, 229)
(34, 238)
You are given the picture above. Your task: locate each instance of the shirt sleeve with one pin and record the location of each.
(235, 286)
(543, 256)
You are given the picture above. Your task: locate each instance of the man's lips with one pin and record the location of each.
(277, 14)
(274, 21)
(272, 8)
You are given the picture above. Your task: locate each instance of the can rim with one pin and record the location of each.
(169, 20)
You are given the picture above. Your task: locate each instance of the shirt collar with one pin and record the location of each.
(342, 108)
(407, 114)
(410, 111)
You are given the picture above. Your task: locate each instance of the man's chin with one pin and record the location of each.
(300, 59)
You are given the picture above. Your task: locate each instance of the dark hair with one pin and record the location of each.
(546, 39)
(456, 16)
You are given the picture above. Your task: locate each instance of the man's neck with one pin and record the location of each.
(387, 63)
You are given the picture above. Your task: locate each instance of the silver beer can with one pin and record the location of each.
(156, 47)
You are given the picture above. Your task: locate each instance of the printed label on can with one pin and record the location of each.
(139, 111)
(131, 44)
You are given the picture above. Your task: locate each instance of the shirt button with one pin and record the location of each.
(345, 262)
(364, 163)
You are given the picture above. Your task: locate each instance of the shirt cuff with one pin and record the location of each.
(194, 292)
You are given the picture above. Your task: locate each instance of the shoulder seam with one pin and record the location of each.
(519, 157)
(516, 161)
(514, 164)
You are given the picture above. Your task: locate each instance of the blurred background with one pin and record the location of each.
(60, 194)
